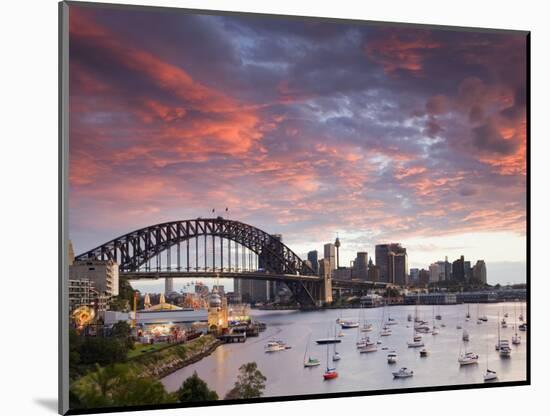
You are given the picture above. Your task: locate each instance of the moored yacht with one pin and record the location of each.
(368, 348)
(468, 358)
(489, 375)
(349, 324)
(392, 357)
(403, 372)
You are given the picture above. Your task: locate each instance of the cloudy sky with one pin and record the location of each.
(305, 128)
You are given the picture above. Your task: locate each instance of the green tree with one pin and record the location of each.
(103, 351)
(194, 389)
(117, 385)
(250, 383)
(123, 331)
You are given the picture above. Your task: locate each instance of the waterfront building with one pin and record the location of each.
(458, 269)
(254, 291)
(102, 273)
(81, 293)
(343, 273)
(161, 306)
(414, 275)
(373, 272)
(480, 272)
(434, 298)
(434, 272)
(313, 257)
(361, 266)
(423, 277)
(478, 297)
(217, 312)
(372, 301)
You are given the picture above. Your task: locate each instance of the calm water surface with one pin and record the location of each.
(286, 374)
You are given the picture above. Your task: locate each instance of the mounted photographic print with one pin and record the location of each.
(266, 208)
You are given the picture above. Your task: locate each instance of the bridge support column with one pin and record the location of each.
(326, 283)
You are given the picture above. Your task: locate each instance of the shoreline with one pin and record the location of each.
(160, 367)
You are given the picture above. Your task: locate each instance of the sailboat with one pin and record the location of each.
(466, 358)
(503, 346)
(435, 329)
(489, 375)
(468, 313)
(330, 373)
(417, 339)
(310, 362)
(516, 339)
(335, 354)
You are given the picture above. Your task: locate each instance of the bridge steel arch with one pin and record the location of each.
(133, 250)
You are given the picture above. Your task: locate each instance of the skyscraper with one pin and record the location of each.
(381, 258)
(313, 257)
(480, 272)
(392, 261)
(360, 265)
(337, 245)
(373, 272)
(458, 269)
(330, 255)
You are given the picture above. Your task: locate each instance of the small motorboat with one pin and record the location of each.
(516, 339)
(523, 327)
(274, 346)
(490, 375)
(459, 326)
(409, 317)
(403, 372)
(435, 330)
(336, 356)
(349, 324)
(484, 318)
(424, 352)
(392, 357)
(438, 317)
(468, 358)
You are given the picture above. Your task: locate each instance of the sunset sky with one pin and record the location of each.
(304, 128)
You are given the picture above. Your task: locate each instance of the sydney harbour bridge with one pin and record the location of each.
(217, 247)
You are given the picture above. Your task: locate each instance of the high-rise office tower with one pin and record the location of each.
(313, 257)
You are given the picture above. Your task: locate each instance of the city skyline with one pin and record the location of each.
(304, 129)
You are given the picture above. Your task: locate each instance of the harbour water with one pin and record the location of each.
(286, 374)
